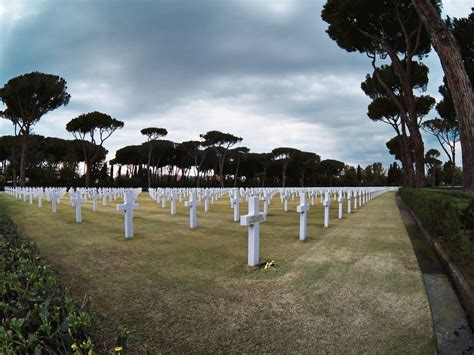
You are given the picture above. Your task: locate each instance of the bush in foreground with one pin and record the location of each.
(448, 216)
(38, 316)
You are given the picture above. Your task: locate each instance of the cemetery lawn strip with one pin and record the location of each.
(354, 287)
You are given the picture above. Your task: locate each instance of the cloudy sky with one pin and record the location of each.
(264, 70)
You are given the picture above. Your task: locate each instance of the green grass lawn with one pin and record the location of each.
(352, 288)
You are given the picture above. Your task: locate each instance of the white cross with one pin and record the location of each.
(285, 202)
(252, 220)
(77, 201)
(70, 192)
(173, 203)
(104, 198)
(303, 209)
(339, 200)
(206, 201)
(128, 206)
(349, 204)
(326, 204)
(355, 199)
(39, 195)
(266, 202)
(192, 204)
(54, 196)
(236, 205)
(94, 200)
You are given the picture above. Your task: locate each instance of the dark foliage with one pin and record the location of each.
(447, 215)
(38, 315)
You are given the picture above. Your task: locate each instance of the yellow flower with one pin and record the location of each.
(89, 352)
(74, 346)
(118, 348)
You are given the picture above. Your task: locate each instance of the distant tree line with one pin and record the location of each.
(57, 162)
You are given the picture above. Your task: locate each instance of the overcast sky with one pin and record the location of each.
(263, 70)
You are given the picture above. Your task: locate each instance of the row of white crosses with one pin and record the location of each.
(253, 219)
(51, 194)
(78, 196)
(195, 196)
(358, 196)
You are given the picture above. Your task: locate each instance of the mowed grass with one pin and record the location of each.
(352, 288)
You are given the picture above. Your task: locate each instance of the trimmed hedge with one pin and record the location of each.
(38, 315)
(448, 216)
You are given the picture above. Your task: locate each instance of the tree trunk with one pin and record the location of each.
(419, 149)
(458, 82)
(148, 172)
(408, 157)
(87, 163)
(283, 176)
(24, 145)
(236, 172)
(88, 173)
(407, 163)
(221, 169)
(409, 104)
(14, 177)
(221, 178)
(198, 178)
(198, 168)
(410, 120)
(111, 178)
(453, 167)
(170, 173)
(412, 123)
(13, 164)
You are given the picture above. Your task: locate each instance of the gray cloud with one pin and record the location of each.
(192, 66)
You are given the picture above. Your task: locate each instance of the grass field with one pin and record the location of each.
(352, 288)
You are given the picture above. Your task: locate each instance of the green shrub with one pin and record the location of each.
(448, 216)
(467, 217)
(38, 315)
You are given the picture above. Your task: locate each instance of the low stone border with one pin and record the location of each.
(465, 293)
